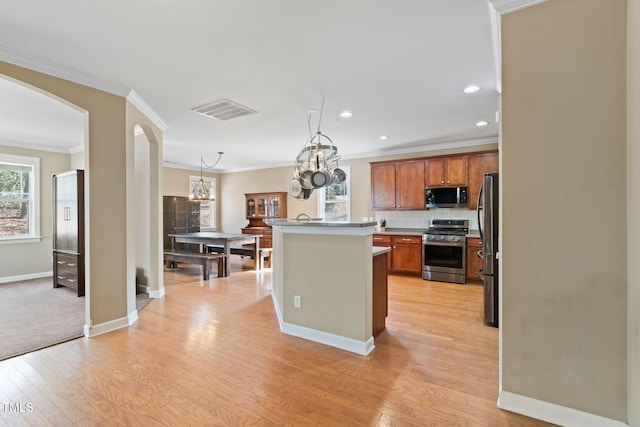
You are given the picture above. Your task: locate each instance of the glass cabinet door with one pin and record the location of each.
(251, 207)
(262, 206)
(274, 206)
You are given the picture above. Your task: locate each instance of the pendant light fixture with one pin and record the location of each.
(202, 191)
(316, 164)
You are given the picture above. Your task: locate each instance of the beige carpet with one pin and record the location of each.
(34, 315)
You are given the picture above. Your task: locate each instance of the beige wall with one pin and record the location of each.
(633, 208)
(107, 219)
(564, 245)
(233, 186)
(176, 183)
(22, 259)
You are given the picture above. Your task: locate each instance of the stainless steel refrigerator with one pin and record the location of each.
(488, 226)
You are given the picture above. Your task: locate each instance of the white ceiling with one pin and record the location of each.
(399, 65)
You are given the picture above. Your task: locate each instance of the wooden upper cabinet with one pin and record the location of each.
(383, 186)
(446, 171)
(397, 185)
(410, 185)
(479, 164)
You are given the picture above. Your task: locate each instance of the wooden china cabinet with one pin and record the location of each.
(260, 206)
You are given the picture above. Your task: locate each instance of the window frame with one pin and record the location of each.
(323, 192)
(193, 180)
(34, 198)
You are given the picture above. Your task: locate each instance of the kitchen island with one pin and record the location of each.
(322, 282)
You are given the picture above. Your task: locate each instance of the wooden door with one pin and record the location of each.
(435, 172)
(479, 164)
(457, 170)
(383, 186)
(410, 185)
(407, 254)
(474, 263)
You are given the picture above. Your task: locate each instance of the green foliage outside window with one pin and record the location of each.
(14, 200)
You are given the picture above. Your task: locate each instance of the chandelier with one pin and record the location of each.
(316, 165)
(202, 191)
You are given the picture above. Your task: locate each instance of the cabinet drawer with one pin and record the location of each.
(474, 242)
(66, 259)
(407, 239)
(379, 239)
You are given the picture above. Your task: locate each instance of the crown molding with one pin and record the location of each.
(373, 154)
(38, 147)
(507, 6)
(61, 71)
(144, 108)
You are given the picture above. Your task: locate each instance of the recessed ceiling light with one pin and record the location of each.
(471, 89)
(346, 114)
(384, 138)
(482, 123)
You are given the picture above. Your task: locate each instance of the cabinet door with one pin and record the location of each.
(66, 212)
(251, 207)
(383, 186)
(474, 263)
(479, 164)
(385, 241)
(406, 258)
(407, 254)
(274, 206)
(262, 206)
(457, 170)
(410, 185)
(435, 172)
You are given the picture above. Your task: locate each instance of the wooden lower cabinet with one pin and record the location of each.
(474, 263)
(405, 255)
(380, 293)
(266, 241)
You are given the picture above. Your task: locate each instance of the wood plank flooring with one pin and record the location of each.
(210, 354)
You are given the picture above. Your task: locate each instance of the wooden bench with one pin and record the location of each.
(204, 260)
(246, 251)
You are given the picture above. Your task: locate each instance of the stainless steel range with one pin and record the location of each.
(444, 248)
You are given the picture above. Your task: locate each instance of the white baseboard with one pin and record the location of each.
(132, 317)
(103, 328)
(338, 341)
(26, 277)
(144, 288)
(156, 294)
(277, 308)
(359, 347)
(552, 413)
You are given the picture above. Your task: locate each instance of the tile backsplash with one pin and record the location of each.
(421, 219)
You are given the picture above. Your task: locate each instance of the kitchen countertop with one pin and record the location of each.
(403, 231)
(316, 223)
(379, 250)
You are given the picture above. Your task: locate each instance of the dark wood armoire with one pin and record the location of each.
(180, 215)
(68, 230)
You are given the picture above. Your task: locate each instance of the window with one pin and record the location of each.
(207, 209)
(19, 208)
(334, 201)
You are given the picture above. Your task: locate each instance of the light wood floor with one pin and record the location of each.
(210, 353)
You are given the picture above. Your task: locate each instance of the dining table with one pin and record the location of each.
(208, 239)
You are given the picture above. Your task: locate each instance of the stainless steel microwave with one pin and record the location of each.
(445, 197)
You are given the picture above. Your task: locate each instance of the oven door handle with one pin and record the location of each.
(457, 244)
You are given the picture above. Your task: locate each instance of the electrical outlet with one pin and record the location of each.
(296, 301)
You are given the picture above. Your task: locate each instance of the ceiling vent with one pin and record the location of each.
(223, 109)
